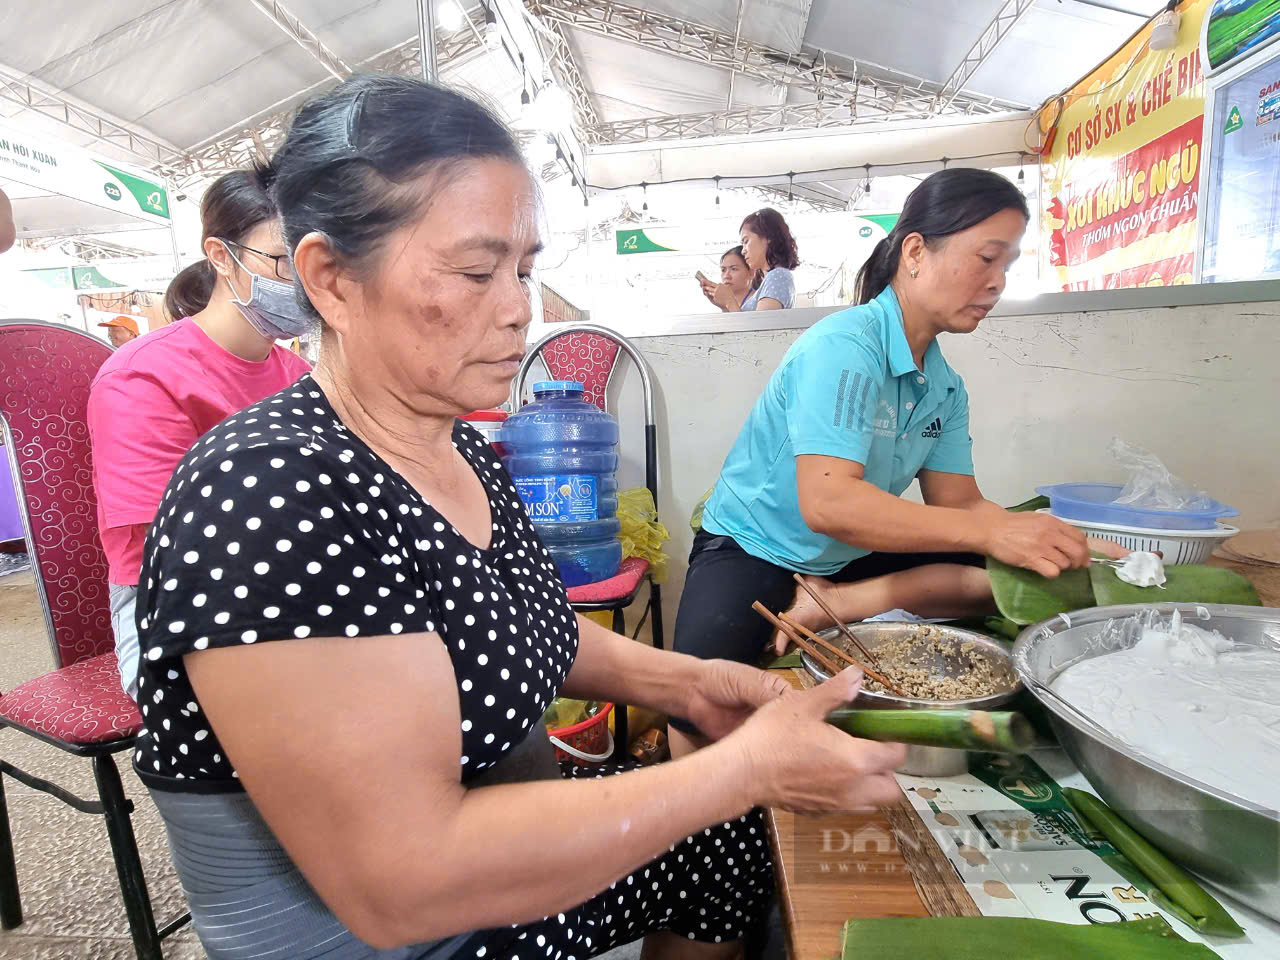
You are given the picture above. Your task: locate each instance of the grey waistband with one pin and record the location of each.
(248, 900)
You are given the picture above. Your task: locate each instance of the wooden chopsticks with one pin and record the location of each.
(875, 675)
(838, 621)
(830, 666)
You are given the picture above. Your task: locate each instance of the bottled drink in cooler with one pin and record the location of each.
(562, 453)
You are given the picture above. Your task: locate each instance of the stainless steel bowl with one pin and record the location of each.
(1229, 840)
(924, 761)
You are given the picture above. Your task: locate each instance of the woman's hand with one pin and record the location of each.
(723, 297)
(724, 694)
(798, 761)
(708, 289)
(1036, 541)
(1108, 548)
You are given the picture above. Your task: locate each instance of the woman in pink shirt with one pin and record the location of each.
(157, 395)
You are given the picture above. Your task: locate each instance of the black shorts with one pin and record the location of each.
(715, 620)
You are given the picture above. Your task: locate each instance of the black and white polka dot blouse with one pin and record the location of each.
(281, 524)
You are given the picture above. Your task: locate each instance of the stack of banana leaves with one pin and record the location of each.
(1024, 597)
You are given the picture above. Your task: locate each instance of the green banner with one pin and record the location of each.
(637, 241)
(151, 196)
(89, 278)
(885, 220)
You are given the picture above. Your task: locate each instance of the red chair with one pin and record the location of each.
(79, 707)
(589, 354)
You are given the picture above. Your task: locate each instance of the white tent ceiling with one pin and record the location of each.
(185, 73)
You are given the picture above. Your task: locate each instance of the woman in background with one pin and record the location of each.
(734, 274)
(158, 394)
(862, 405)
(769, 250)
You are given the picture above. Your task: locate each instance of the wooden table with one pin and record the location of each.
(834, 868)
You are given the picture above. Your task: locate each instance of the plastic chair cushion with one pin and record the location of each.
(617, 587)
(80, 704)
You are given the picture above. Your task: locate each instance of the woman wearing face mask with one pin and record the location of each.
(734, 274)
(157, 395)
(862, 405)
(770, 253)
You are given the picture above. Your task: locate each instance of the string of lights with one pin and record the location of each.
(790, 177)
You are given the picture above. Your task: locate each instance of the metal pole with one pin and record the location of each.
(427, 40)
(173, 231)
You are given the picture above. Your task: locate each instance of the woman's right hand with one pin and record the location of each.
(1035, 541)
(798, 761)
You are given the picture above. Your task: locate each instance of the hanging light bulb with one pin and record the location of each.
(492, 38)
(791, 186)
(552, 108)
(717, 180)
(644, 207)
(868, 191)
(1022, 176)
(450, 15)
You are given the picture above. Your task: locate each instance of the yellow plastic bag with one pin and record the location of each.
(642, 533)
(695, 518)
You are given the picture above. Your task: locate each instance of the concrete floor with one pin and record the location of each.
(70, 895)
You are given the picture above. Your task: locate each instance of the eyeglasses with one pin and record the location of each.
(280, 261)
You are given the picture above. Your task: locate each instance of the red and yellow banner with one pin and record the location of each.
(1120, 184)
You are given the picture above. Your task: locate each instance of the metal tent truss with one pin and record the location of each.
(259, 136)
(742, 120)
(87, 249)
(150, 152)
(1009, 14)
(297, 31)
(844, 94)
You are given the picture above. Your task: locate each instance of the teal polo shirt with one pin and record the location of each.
(848, 388)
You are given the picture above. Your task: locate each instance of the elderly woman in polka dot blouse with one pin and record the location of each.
(350, 629)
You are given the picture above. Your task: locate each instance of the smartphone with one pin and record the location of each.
(702, 277)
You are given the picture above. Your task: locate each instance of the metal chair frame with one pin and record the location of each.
(653, 609)
(111, 804)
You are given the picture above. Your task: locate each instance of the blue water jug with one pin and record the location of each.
(562, 453)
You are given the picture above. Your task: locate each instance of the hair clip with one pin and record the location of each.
(353, 119)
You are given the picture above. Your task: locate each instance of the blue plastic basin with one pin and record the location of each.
(1095, 502)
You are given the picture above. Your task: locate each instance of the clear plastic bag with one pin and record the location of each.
(1151, 484)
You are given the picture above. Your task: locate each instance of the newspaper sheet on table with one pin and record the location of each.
(1010, 834)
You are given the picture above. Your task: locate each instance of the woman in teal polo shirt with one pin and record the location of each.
(863, 404)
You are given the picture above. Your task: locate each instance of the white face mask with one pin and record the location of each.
(271, 309)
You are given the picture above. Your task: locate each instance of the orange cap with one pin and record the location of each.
(122, 321)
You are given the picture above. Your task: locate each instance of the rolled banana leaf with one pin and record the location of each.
(1184, 583)
(988, 938)
(1185, 898)
(995, 732)
(1025, 597)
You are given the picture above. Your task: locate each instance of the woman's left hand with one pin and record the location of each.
(724, 694)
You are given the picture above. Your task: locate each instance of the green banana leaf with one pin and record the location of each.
(1185, 583)
(987, 938)
(1026, 597)
(1035, 503)
(784, 661)
(1174, 890)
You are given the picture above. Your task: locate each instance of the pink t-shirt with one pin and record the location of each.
(148, 405)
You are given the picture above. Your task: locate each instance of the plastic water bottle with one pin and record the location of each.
(562, 453)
